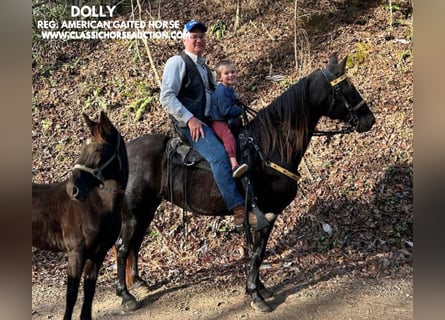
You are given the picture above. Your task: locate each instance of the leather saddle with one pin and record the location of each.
(181, 153)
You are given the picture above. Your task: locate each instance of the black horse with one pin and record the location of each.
(277, 138)
(82, 215)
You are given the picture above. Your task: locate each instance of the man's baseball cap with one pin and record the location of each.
(192, 24)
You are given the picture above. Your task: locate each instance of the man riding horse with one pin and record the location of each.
(187, 86)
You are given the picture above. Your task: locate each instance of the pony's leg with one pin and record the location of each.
(254, 285)
(75, 266)
(71, 296)
(91, 272)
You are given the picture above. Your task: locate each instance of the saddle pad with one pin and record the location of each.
(181, 153)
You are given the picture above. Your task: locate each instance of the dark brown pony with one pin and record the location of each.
(277, 139)
(81, 216)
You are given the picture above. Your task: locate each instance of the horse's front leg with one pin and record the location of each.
(144, 214)
(76, 262)
(133, 277)
(122, 244)
(265, 292)
(90, 274)
(71, 295)
(254, 285)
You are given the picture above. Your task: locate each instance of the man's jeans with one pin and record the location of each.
(213, 151)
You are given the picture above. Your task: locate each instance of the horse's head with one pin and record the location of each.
(341, 98)
(100, 159)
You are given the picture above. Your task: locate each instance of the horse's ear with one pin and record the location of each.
(105, 122)
(333, 59)
(90, 123)
(343, 64)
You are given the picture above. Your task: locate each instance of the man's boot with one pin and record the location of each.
(238, 217)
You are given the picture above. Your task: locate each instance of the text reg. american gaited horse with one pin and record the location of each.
(82, 215)
(277, 139)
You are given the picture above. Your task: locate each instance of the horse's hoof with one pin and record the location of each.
(266, 293)
(261, 306)
(130, 305)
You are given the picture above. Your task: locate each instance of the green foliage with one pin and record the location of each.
(218, 29)
(60, 147)
(46, 124)
(95, 98)
(405, 59)
(74, 66)
(153, 234)
(144, 98)
(253, 87)
(392, 6)
(139, 106)
(358, 54)
(47, 70)
(286, 83)
(404, 9)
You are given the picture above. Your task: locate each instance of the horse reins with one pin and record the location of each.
(267, 161)
(97, 172)
(282, 170)
(270, 163)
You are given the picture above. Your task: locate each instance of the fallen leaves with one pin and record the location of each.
(353, 213)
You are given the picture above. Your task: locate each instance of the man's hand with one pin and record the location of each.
(196, 130)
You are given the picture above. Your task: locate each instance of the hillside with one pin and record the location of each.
(359, 184)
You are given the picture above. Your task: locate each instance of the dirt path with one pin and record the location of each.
(336, 298)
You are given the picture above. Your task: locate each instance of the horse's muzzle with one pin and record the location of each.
(365, 123)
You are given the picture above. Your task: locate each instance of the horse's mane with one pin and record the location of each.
(283, 124)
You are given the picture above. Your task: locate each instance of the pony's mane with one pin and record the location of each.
(283, 124)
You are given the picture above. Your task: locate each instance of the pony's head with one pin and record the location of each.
(338, 98)
(100, 158)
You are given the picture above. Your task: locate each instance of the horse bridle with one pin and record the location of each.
(336, 93)
(97, 172)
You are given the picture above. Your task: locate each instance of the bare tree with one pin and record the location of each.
(237, 15)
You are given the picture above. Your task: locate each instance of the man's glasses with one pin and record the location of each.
(195, 36)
